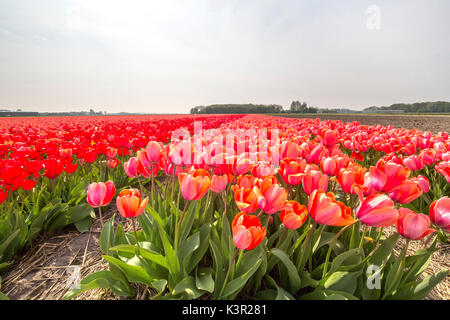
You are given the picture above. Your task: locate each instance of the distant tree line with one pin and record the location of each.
(297, 107)
(418, 107)
(237, 108)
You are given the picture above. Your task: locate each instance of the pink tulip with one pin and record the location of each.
(423, 182)
(413, 162)
(329, 166)
(330, 138)
(413, 226)
(100, 194)
(385, 176)
(377, 210)
(131, 167)
(440, 213)
(428, 156)
(444, 169)
(153, 151)
(219, 183)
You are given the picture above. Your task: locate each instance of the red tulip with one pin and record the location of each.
(293, 214)
(129, 203)
(440, 213)
(111, 153)
(247, 231)
(53, 168)
(324, 209)
(3, 195)
(112, 163)
(413, 226)
(194, 186)
(377, 210)
(100, 194)
(70, 168)
(28, 184)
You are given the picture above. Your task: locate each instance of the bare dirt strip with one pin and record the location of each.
(432, 123)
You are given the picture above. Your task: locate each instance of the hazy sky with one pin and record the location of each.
(170, 55)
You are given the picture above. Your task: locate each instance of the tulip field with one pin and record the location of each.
(230, 207)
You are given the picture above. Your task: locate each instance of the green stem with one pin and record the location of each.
(305, 245)
(325, 267)
(177, 230)
(283, 233)
(153, 188)
(133, 221)
(400, 269)
(100, 214)
(362, 237)
(228, 273)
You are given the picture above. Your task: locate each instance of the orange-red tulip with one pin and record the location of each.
(247, 231)
(246, 198)
(293, 214)
(194, 186)
(291, 170)
(129, 203)
(406, 192)
(324, 209)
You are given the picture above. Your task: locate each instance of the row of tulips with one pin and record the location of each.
(236, 221)
(46, 165)
(312, 228)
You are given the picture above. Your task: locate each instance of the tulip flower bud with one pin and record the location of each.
(247, 231)
(100, 194)
(293, 214)
(440, 213)
(413, 226)
(129, 203)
